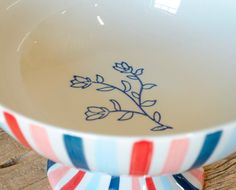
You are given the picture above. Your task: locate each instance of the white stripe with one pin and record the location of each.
(158, 183)
(142, 183)
(7, 130)
(89, 152)
(227, 133)
(85, 181)
(104, 182)
(125, 182)
(160, 154)
(2, 119)
(124, 148)
(66, 178)
(194, 149)
(57, 144)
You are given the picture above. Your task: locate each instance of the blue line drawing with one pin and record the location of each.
(96, 112)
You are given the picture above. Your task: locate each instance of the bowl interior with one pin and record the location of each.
(137, 67)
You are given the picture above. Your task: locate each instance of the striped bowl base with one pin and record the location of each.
(65, 178)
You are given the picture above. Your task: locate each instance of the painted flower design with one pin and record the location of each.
(94, 113)
(123, 67)
(135, 95)
(81, 82)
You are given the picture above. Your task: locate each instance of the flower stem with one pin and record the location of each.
(140, 102)
(125, 111)
(109, 85)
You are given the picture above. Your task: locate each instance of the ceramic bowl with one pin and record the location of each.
(138, 87)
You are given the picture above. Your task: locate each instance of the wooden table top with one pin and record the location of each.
(21, 169)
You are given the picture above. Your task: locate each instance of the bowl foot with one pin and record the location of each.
(65, 178)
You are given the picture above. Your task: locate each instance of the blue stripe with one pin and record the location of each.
(230, 145)
(50, 164)
(165, 182)
(75, 150)
(115, 183)
(183, 182)
(208, 148)
(94, 182)
(109, 161)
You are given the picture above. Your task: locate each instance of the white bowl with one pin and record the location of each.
(123, 87)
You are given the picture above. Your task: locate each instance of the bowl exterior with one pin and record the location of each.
(114, 155)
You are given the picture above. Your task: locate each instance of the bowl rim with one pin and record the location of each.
(91, 135)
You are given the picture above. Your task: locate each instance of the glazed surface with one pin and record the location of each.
(183, 51)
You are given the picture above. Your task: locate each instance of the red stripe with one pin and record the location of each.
(176, 155)
(135, 183)
(150, 184)
(56, 175)
(13, 125)
(198, 174)
(74, 182)
(43, 144)
(141, 158)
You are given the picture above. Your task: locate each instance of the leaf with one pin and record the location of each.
(132, 77)
(106, 89)
(99, 79)
(126, 116)
(148, 103)
(139, 71)
(157, 116)
(135, 94)
(161, 128)
(116, 105)
(127, 86)
(149, 86)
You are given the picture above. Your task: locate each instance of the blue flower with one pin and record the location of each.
(81, 82)
(123, 67)
(94, 113)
